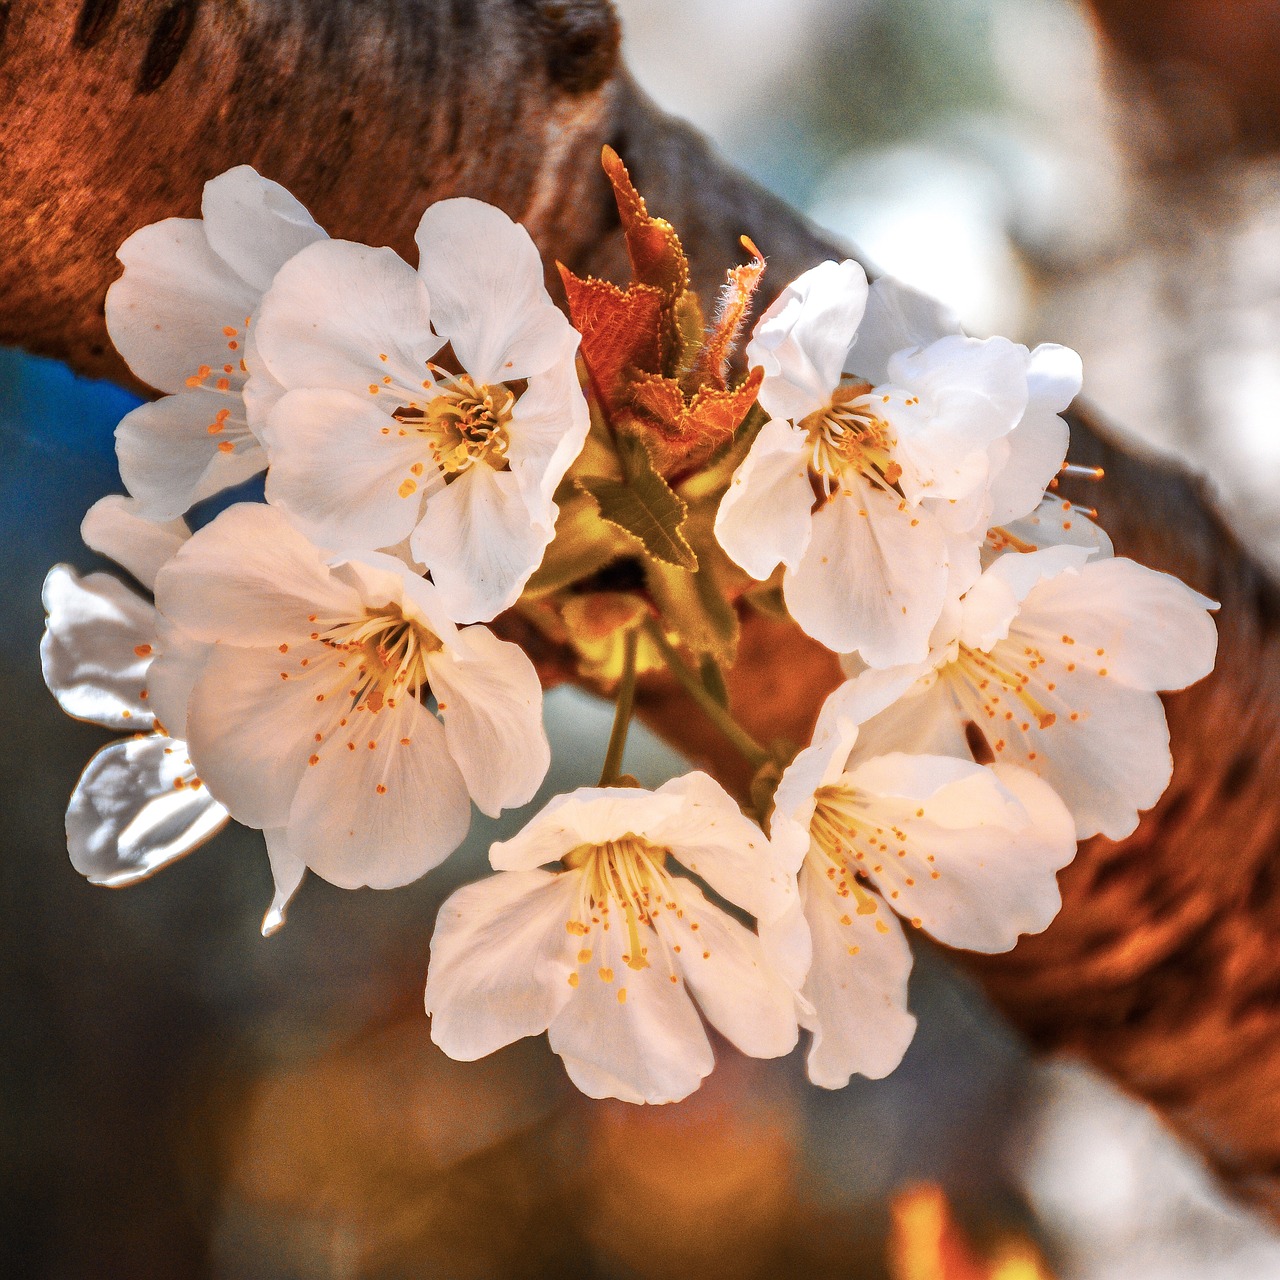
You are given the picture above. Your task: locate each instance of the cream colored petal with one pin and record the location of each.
(501, 961)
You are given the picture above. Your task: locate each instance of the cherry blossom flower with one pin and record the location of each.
(139, 805)
(605, 951)
(1055, 658)
(303, 689)
(965, 852)
(181, 316)
(376, 441)
(1022, 463)
(866, 491)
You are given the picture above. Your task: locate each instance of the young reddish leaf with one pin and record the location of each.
(681, 435)
(620, 330)
(652, 243)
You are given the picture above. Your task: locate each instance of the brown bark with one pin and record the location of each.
(1161, 967)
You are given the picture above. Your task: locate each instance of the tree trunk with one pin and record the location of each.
(1161, 968)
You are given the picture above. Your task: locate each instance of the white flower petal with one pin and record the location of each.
(488, 298)
(490, 700)
(136, 809)
(167, 313)
(710, 836)
(384, 580)
(97, 648)
(263, 389)
(255, 225)
(172, 676)
(724, 965)
(788, 947)
(385, 809)
(250, 578)
(857, 986)
(764, 519)
(965, 393)
(818, 764)
(873, 578)
(1056, 522)
(1106, 752)
(348, 474)
(802, 340)
(169, 452)
(589, 815)
(990, 606)
(250, 733)
(114, 528)
(549, 426)
(1154, 631)
(976, 851)
(287, 870)
(897, 317)
(501, 959)
(634, 1035)
(837, 730)
(1055, 375)
(1035, 449)
(334, 310)
(922, 722)
(480, 541)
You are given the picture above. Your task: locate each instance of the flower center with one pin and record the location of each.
(982, 671)
(626, 875)
(848, 843)
(464, 423)
(390, 655)
(848, 436)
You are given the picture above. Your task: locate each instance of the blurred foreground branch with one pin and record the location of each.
(1161, 968)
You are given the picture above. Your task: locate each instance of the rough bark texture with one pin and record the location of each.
(1161, 968)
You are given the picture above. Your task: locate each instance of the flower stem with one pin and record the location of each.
(688, 680)
(611, 770)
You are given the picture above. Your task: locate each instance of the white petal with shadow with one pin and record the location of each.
(764, 518)
(350, 476)
(488, 298)
(501, 959)
(633, 1034)
(169, 454)
(490, 700)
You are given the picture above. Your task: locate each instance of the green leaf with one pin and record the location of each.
(644, 506)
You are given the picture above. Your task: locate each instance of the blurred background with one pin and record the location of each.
(185, 1099)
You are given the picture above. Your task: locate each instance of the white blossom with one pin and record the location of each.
(1055, 658)
(181, 317)
(609, 951)
(867, 488)
(967, 853)
(303, 692)
(1022, 463)
(375, 441)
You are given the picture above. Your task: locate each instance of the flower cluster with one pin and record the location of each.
(444, 449)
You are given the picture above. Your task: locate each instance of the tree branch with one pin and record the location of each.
(1161, 968)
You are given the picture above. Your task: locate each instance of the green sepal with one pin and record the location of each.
(582, 546)
(696, 606)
